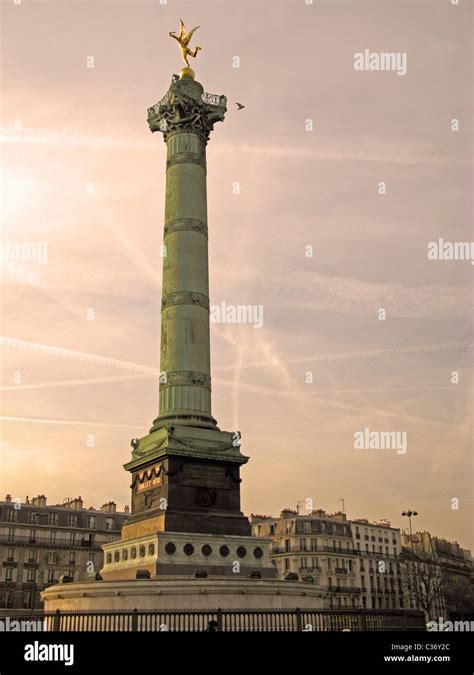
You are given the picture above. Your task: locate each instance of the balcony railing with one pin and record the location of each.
(42, 542)
(342, 589)
(209, 99)
(328, 549)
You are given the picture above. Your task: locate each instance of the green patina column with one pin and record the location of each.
(186, 471)
(185, 116)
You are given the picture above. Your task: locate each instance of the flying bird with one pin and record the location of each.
(239, 106)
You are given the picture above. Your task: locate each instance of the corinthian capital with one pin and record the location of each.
(186, 107)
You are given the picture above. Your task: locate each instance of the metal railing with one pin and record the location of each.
(45, 542)
(342, 589)
(288, 620)
(337, 551)
(208, 99)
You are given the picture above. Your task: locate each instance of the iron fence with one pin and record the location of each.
(288, 620)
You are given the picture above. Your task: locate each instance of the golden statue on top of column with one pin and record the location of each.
(184, 39)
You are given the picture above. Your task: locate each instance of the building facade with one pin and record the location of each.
(439, 575)
(378, 547)
(353, 563)
(40, 543)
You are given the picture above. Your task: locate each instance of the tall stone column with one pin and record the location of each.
(186, 471)
(185, 118)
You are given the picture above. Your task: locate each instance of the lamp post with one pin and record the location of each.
(409, 514)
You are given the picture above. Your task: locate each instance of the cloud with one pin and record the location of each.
(321, 150)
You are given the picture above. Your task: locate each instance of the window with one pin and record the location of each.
(72, 558)
(52, 537)
(314, 563)
(287, 564)
(32, 555)
(8, 573)
(31, 516)
(31, 575)
(50, 577)
(52, 558)
(32, 536)
(304, 563)
(10, 554)
(12, 515)
(272, 529)
(287, 545)
(314, 545)
(53, 518)
(72, 520)
(329, 563)
(109, 523)
(11, 534)
(307, 527)
(72, 538)
(302, 544)
(288, 528)
(91, 522)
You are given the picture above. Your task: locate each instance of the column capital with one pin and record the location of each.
(187, 108)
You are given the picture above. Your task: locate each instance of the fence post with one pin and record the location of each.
(362, 622)
(57, 620)
(299, 620)
(404, 621)
(135, 620)
(219, 619)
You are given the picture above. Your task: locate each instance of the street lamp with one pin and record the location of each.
(409, 514)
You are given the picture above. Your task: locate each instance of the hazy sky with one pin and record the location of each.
(84, 175)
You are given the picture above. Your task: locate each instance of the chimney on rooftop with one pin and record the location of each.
(39, 501)
(110, 507)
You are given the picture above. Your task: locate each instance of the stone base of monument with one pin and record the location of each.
(182, 553)
(180, 592)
